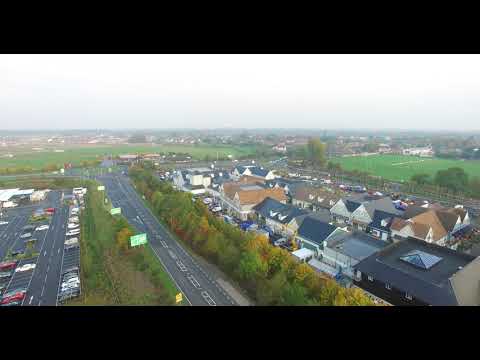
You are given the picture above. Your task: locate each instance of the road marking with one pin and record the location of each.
(58, 252)
(45, 253)
(31, 299)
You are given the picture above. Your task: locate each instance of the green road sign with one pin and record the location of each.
(116, 211)
(139, 239)
(109, 170)
(101, 188)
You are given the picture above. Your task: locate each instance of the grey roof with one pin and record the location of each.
(257, 171)
(380, 215)
(384, 204)
(356, 245)
(315, 230)
(413, 210)
(352, 205)
(431, 286)
(288, 211)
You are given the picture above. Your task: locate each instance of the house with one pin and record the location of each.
(342, 250)
(255, 171)
(314, 198)
(192, 180)
(414, 272)
(280, 148)
(342, 210)
(438, 225)
(363, 215)
(240, 199)
(312, 233)
(380, 225)
(419, 151)
(282, 218)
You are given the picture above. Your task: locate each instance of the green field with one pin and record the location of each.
(400, 167)
(39, 159)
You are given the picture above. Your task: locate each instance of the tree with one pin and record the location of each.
(251, 266)
(316, 152)
(420, 179)
(123, 237)
(455, 179)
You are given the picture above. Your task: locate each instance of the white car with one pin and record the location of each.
(74, 219)
(216, 209)
(3, 222)
(25, 267)
(72, 226)
(26, 235)
(41, 228)
(73, 232)
(71, 241)
(72, 280)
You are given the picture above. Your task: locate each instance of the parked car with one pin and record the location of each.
(13, 298)
(26, 267)
(50, 210)
(72, 226)
(12, 303)
(216, 209)
(28, 228)
(73, 268)
(73, 232)
(26, 235)
(5, 274)
(8, 265)
(42, 227)
(3, 222)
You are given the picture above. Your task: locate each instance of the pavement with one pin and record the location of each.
(41, 282)
(198, 285)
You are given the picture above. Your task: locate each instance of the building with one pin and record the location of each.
(312, 233)
(283, 219)
(342, 250)
(309, 197)
(255, 171)
(194, 180)
(127, 159)
(380, 225)
(414, 272)
(239, 199)
(434, 225)
(419, 151)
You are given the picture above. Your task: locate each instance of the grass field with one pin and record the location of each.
(38, 159)
(400, 167)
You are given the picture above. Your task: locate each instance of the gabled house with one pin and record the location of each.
(192, 180)
(314, 198)
(380, 225)
(363, 215)
(414, 272)
(255, 171)
(343, 209)
(313, 232)
(282, 218)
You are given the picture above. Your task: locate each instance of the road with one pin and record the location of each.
(197, 284)
(45, 279)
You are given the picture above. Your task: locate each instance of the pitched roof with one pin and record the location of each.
(320, 196)
(352, 205)
(460, 212)
(430, 219)
(315, 230)
(448, 219)
(431, 285)
(413, 210)
(256, 196)
(275, 210)
(398, 224)
(384, 204)
(378, 216)
(257, 171)
(247, 179)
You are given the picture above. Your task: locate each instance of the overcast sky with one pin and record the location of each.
(240, 91)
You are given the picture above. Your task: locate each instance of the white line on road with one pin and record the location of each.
(45, 253)
(31, 299)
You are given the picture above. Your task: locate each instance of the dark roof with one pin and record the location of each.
(384, 204)
(448, 219)
(284, 213)
(431, 286)
(380, 215)
(413, 210)
(315, 230)
(352, 205)
(259, 171)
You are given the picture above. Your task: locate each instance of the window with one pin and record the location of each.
(388, 287)
(408, 296)
(370, 278)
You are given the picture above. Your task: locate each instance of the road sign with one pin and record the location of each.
(109, 170)
(137, 240)
(101, 188)
(178, 298)
(116, 211)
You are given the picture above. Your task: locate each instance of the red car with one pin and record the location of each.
(8, 265)
(16, 297)
(50, 210)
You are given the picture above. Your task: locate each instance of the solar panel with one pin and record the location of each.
(420, 259)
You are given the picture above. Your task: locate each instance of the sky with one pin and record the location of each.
(424, 92)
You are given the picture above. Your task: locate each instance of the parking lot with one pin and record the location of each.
(31, 251)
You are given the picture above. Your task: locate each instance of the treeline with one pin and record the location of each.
(269, 274)
(314, 153)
